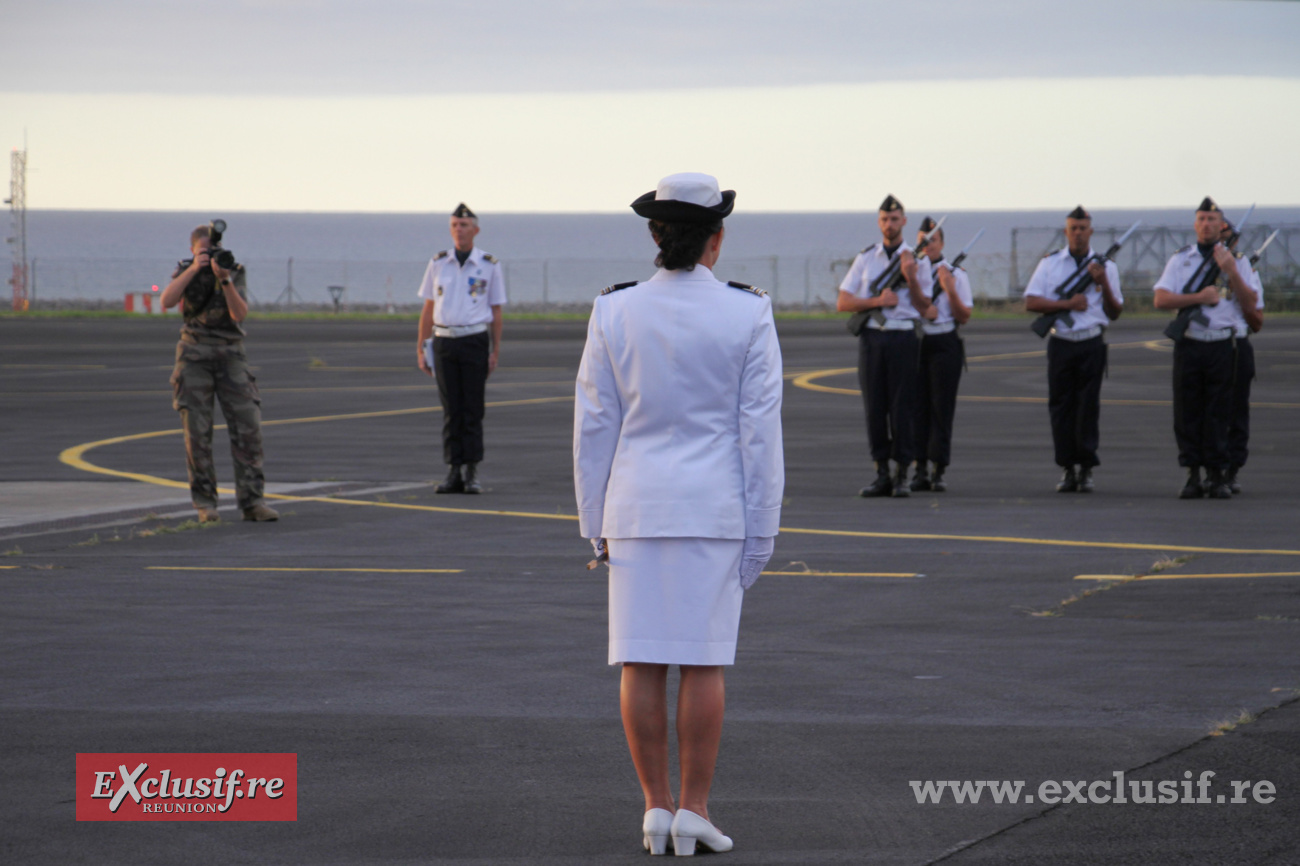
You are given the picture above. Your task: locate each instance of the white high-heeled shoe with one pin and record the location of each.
(657, 826)
(689, 828)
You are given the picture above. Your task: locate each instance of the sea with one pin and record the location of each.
(563, 260)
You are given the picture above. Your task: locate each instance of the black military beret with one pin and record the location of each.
(1208, 204)
(462, 210)
(1078, 214)
(927, 224)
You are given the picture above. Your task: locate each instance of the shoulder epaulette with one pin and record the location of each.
(1185, 249)
(869, 249)
(616, 287)
(1053, 252)
(747, 288)
(491, 258)
(441, 255)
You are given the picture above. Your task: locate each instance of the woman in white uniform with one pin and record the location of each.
(678, 465)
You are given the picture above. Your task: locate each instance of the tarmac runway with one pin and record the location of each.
(437, 663)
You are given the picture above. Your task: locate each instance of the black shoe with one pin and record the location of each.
(900, 482)
(1192, 489)
(1233, 484)
(921, 481)
(1085, 480)
(471, 479)
(1216, 485)
(937, 484)
(1068, 483)
(882, 486)
(454, 483)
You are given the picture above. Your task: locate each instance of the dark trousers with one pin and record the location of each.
(1074, 374)
(1239, 424)
(887, 366)
(1202, 402)
(936, 396)
(461, 367)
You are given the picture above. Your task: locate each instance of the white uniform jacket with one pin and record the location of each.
(961, 284)
(1183, 265)
(463, 295)
(1053, 270)
(677, 427)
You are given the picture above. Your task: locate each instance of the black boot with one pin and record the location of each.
(1192, 489)
(454, 483)
(1233, 484)
(471, 479)
(937, 484)
(1216, 485)
(900, 481)
(921, 481)
(1085, 479)
(882, 485)
(1068, 483)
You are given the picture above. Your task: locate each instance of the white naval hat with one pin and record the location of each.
(686, 197)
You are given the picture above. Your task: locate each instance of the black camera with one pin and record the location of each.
(224, 258)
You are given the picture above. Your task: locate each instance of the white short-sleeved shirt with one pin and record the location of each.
(961, 283)
(1053, 270)
(871, 263)
(463, 295)
(1225, 314)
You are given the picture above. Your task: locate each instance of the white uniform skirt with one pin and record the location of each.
(674, 600)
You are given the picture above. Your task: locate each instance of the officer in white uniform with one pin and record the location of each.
(942, 357)
(888, 346)
(678, 463)
(460, 341)
(1204, 357)
(1076, 350)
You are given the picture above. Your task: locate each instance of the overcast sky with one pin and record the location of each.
(815, 105)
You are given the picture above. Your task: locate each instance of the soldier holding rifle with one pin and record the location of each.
(1080, 291)
(942, 358)
(890, 290)
(1206, 275)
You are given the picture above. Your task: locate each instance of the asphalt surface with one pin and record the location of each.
(469, 717)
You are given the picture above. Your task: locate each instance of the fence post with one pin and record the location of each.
(546, 282)
(1014, 271)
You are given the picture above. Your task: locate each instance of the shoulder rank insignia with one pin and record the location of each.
(441, 255)
(491, 258)
(617, 287)
(870, 248)
(747, 288)
(1054, 252)
(1186, 248)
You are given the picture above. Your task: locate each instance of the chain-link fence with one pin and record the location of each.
(808, 282)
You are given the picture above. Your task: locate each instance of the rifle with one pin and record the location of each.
(891, 277)
(956, 263)
(1082, 281)
(1178, 327)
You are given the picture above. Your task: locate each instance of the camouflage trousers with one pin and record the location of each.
(202, 371)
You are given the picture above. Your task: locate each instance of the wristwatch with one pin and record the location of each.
(227, 282)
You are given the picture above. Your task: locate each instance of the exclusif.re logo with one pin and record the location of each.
(140, 786)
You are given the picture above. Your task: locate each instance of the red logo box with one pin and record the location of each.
(212, 786)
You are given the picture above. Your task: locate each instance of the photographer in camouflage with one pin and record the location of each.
(210, 362)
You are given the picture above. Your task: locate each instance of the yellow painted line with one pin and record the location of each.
(844, 573)
(10, 566)
(314, 570)
(74, 456)
(1176, 576)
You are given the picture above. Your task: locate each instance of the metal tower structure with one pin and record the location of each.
(17, 239)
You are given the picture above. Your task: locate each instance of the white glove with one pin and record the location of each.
(756, 554)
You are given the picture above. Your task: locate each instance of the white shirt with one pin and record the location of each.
(961, 284)
(677, 423)
(463, 295)
(1054, 269)
(872, 262)
(1225, 314)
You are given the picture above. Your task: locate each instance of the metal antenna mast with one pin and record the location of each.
(17, 239)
